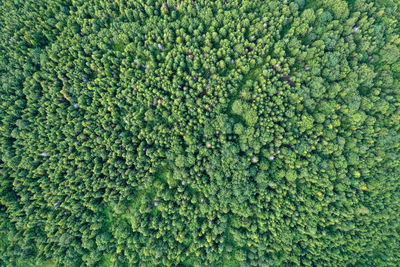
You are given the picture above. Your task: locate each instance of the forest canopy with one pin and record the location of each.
(199, 133)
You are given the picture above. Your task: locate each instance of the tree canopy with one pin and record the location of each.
(199, 133)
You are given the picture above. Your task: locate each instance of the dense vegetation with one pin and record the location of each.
(199, 133)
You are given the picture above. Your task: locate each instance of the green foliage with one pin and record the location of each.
(237, 107)
(199, 133)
